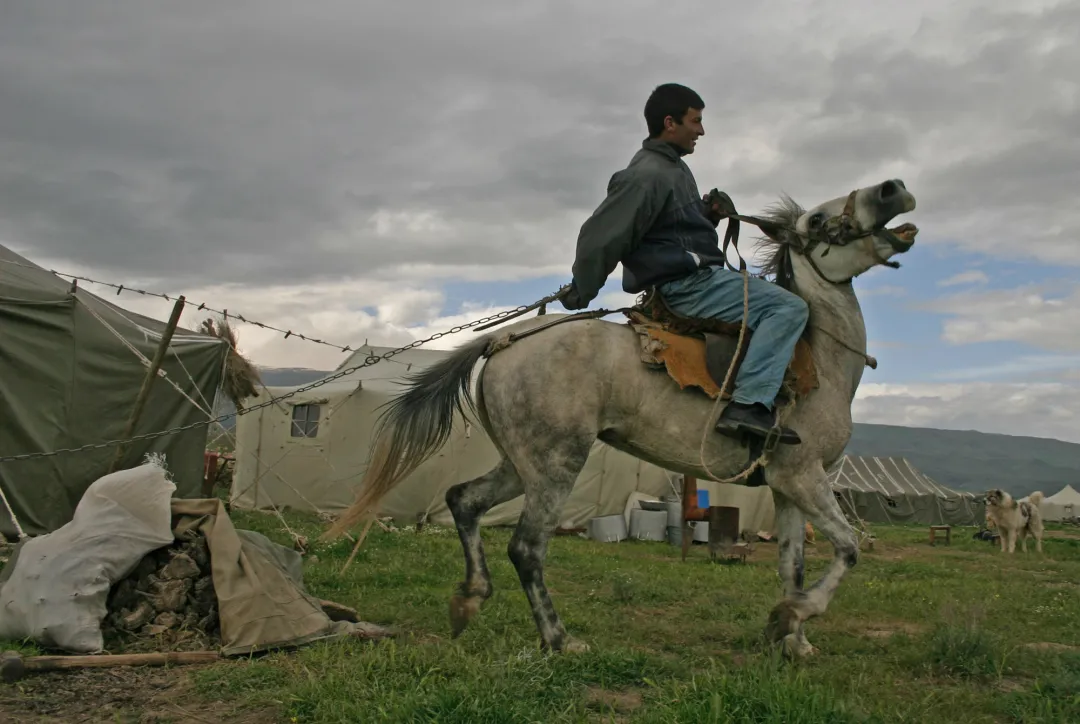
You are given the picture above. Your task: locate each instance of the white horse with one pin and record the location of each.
(545, 398)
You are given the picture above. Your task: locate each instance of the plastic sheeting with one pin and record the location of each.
(56, 585)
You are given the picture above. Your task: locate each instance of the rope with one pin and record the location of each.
(11, 513)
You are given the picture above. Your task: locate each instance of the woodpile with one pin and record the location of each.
(167, 603)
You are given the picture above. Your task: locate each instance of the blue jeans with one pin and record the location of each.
(777, 319)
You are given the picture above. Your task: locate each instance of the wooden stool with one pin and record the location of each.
(946, 529)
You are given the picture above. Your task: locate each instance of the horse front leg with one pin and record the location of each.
(791, 537)
(810, 492)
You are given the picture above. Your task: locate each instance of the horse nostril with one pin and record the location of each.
(889, 189)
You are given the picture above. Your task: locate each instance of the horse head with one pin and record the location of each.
(841, 238)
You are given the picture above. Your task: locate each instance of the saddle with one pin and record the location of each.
(697, 352)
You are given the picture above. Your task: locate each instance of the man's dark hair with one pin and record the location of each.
(669, 99)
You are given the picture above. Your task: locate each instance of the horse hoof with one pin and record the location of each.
(575, 646)
(796, 647)
(462, 609)
(783, 621)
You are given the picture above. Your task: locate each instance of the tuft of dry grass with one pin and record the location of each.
(241, 379)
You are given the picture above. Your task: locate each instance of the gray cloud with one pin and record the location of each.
(263, 142)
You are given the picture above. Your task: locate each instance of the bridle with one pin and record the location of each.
(839, 230)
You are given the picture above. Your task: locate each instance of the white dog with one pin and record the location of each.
(1015, 517)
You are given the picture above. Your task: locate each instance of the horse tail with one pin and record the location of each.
(413, 427)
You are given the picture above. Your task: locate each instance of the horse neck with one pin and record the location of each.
(835, 315)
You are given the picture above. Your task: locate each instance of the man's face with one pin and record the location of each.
(685, 134)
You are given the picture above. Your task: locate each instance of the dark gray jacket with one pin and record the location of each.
(653, 221)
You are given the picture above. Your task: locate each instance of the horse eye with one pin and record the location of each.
(816, 220)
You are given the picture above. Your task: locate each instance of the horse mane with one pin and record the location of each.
(777, 263)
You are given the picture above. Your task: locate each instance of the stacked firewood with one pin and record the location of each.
(168, 602)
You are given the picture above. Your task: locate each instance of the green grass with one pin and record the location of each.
(915, 634)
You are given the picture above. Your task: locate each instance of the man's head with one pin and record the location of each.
(673, 114)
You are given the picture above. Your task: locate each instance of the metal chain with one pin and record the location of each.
(370, 360)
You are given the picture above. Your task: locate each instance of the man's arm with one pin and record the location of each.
(614, 230)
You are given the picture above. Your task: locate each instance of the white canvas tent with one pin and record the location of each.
(1065, 503)
(310, 451)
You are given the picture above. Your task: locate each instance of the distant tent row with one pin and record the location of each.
(892, 490)
(71, 365)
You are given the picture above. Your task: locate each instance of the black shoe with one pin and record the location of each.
(738, 419)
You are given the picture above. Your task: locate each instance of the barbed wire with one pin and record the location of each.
(370, 360)
(198, 305)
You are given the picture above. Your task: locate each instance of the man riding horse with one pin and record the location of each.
(656, 223)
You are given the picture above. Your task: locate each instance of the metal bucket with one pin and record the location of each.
(608, 528)
(674, 513)
(648, 524)
(701, 531)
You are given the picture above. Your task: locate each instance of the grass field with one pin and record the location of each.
(915, 634)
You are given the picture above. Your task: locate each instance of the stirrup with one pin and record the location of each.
(772, 438)
(755, 446)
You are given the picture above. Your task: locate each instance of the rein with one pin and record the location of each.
(839, 230)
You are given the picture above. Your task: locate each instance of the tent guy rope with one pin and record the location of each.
(368, 361)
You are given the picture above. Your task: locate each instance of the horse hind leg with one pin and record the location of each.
(547, 486)
(467, 503)
(812, 494)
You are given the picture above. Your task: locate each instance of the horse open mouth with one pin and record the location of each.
(901, 238)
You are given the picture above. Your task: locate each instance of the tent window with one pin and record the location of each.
(305, 420)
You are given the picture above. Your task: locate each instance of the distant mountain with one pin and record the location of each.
(961, 459)
(289, 376)
(975, 461)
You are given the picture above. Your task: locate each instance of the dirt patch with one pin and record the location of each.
(131, 695)
(1074, 535)
(892, 552)
(888, 630)
(1011, 686)
(608, 701)
(1051, 646)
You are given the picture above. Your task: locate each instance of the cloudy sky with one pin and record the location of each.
(379, 171)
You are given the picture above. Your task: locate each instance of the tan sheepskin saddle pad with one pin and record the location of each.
(698, 352)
